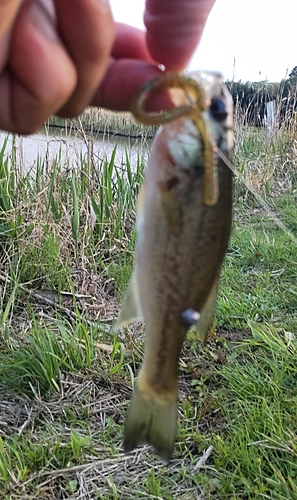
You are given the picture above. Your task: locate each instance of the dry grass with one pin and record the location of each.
(102, 470)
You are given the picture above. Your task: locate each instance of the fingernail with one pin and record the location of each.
(44, 19)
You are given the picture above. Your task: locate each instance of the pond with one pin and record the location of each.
(70, 147)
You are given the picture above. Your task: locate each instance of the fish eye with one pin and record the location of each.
(218, 109)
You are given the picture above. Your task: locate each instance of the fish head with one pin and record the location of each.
(183, 137)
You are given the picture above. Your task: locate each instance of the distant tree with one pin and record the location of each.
(293, 73)
(250, 99)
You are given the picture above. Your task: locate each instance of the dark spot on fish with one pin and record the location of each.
(218, 109)
(169, 184)
(213, 237)
(190, 317)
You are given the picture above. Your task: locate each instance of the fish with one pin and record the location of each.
(184, 218)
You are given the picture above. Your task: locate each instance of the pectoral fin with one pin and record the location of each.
(131, 309)
(207, 312)
(140, 209)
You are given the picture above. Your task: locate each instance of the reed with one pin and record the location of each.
(100, 120)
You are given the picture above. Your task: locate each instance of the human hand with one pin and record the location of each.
(174, 29)
(50, 62)
(58, 63)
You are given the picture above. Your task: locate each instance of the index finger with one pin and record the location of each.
(174, 29)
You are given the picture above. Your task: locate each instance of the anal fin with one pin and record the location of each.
(207, 312)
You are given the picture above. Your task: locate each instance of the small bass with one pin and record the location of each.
(183, 227)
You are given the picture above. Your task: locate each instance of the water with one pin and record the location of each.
(52, 143)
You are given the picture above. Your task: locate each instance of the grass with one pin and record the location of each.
(67, 239)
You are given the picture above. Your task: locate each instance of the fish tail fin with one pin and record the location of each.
(151, 420)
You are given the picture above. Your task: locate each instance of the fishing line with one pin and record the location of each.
(270, 213)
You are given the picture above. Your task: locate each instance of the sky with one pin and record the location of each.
(259, 35)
